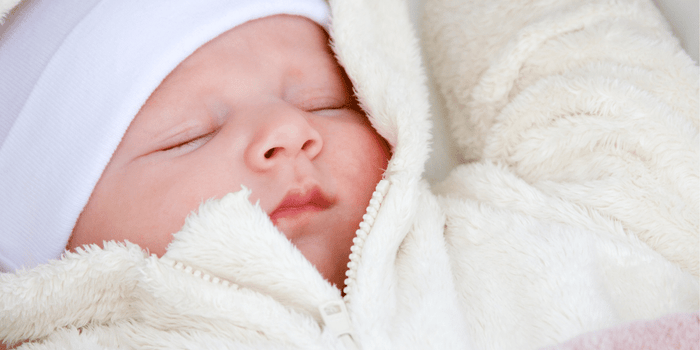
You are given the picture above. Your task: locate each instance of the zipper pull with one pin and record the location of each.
(337, 320)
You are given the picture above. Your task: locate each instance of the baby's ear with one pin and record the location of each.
(93, 285)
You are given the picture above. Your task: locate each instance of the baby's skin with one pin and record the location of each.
(264, 105)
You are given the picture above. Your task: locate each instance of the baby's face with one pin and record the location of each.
(264, 105)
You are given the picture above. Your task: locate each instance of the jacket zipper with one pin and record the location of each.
(334, 313)
(361, 235)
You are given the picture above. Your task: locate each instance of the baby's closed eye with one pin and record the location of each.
(314, 104)
(333, 104)
(189, 144)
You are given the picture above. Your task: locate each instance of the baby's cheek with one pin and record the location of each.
(376, 153)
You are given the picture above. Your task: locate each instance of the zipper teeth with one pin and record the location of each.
(198, 273)
(361, 235)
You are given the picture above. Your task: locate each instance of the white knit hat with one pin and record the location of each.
(73, 74)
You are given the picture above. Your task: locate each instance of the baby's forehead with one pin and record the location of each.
(268, 38)
(282, 57)
(279, 49)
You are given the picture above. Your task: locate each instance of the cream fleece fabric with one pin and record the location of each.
(579, 120)
(574, 214)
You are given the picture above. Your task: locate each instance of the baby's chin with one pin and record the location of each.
(323, 240)
(329, 255)
(296, 223)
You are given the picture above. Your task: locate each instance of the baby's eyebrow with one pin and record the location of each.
(331, 87)
(218, 111)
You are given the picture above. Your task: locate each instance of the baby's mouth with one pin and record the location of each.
(296, 205)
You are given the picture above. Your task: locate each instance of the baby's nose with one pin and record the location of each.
(284, 136)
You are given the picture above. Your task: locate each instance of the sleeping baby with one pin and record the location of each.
(248, 174)
(264, 105)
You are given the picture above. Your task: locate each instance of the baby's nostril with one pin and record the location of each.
(306, 144)
(270, 152)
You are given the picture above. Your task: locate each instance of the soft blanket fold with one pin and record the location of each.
(578, 121)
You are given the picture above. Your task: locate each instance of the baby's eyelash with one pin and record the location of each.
(333, 105)
(321, 109)
(323, 101)
(191, 143)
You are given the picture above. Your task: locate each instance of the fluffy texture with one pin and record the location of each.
(578, 207)
(602, 83)
(575, 215)
(533, 270)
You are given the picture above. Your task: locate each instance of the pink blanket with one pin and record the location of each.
(676, 331)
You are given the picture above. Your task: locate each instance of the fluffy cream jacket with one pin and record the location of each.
(576, 209)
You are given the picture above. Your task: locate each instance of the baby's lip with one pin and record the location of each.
(298, 201)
